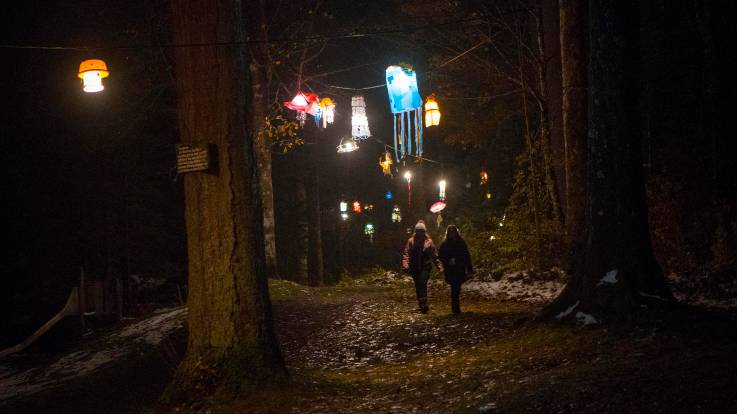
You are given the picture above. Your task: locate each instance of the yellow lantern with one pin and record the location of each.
(432, 111)
(92, 71)
(386, 163)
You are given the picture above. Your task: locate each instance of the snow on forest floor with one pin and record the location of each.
(360, 347)
(18, 380)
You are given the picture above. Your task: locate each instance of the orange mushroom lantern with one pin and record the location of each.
(92, 71)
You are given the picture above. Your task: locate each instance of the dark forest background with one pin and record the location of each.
(90, 179)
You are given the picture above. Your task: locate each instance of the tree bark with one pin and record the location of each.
(616, 270)
(573, 58)
(260, 89)
(231, 341)
(315, 262)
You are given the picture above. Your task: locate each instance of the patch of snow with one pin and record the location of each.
(585, 319)
(567, 311)
(115, 346)
(609, 279)
(511, 286)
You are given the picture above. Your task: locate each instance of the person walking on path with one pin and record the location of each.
(456, 260)
(419, 256)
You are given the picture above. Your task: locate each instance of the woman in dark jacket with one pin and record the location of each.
(417, 260)
(456, 259)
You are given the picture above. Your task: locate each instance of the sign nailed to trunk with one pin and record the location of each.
(192, 158)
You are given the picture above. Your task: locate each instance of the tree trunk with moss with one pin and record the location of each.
(231, 341)
(615, 272)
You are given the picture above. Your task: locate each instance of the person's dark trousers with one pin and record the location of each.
(421, 289)
(455, 297)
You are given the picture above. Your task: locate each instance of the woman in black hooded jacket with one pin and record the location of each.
(456, 259)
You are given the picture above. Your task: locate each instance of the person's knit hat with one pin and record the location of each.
(420, 225)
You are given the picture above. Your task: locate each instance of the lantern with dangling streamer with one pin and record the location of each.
(327, 110)
(92, 71)
(304, 103)
(432, 111)
(359, 120)
(386, 164)
(369, 230)
(406, 105)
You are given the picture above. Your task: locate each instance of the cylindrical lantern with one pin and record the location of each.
(92, 71)
(441, 186)
(432, 111)
(356, 207)
(327, 107)
(359, 120)
(343, 207)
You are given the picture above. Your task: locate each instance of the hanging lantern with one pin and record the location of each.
(368, 207)
(343, 207)
(484, 177)
(388, 195)
(432, 111)
(408, 177)
(327, 108)
(406, 105)
(369, 230)
(303, 103)
(356, 207)
(359, 120)
(437, 207)
(396, 214)
(488, 196)
(347, 145)
(441, 186)
(386, 164)
(92, 71)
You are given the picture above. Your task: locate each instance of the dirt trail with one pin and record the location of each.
(363, 349)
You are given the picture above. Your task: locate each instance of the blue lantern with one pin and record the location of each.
(406, 105)
(388, 195)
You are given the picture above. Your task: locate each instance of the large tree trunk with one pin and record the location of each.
(231, 340)
(616, 271)
(573, 62)
(263, 161)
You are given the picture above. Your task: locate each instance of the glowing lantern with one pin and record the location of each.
(488, 196)
(441, 186)
(369, 230)
(347, 145)
(343, 207)
(396, 214)
(359, 120)
(388, 195)
(92, 71)
(327, 109)
(406, 105)
(432, 111)
(356, 207)
(386, 164)
(303, 103)
(344, 216)
(437, 207)
(484, 177)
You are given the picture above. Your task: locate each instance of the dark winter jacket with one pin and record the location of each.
(456, 260)
(417, 258)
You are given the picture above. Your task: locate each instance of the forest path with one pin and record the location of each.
(362, 348)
